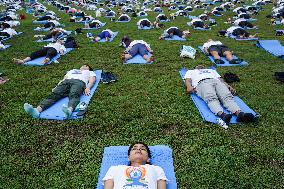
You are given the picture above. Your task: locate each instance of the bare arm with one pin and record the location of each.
(161, 184)
(206, 50)
(188, 84)
(233, 91)
(108, 184)
(89, 86)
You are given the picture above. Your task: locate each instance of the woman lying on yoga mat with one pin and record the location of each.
(136, 47)
(54, 34)
(139, 173)
(105, 34)
(174, 31)
(94, 24)
(49, 51)
(75, 82)
(123, 17)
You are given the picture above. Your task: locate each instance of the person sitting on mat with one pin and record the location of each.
(54, 34)
(217, 49)
(48, 51)
(137, 47)
(75, 82)
(170, 32)
(123, 17)
(145, 22)
(198, 23)
(139, 170)
(243, 23)
(209, 86)
(7, 32)
(161, 17)
(105, 34)
(94, 24)
(237, 32)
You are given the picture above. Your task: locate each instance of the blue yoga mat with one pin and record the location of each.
(198, 28)
(175, 38)
(243, 63)
(19, 33)
(110, 40)
(55, 111)
(38, 61)
(192, 17)
(40, 22)
(117, 155)
(272, 46)
(103, 24)
(145, 28)
(6, 47)
(138, 59)
(164, 20)
(206, 113)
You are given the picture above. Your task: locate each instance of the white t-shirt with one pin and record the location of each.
(239, 20)
(59, 48)
(196, 20)
(210, 43)
(232, 28)
(108, 30)
(139, 22)
(129, 177)
(134, 42)
(197, 75)
(84, 75)
(56, 23)
(10, 31)
(12, 23)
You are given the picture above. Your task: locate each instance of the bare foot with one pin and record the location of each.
(18, 61)
(46, 60)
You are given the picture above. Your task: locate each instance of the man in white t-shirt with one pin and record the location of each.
(217, 49)
(75, 82)
(209, 86)
(138, 174)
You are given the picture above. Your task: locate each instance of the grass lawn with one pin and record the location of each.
(148, 104)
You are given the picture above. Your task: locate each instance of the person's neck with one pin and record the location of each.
(137, 163)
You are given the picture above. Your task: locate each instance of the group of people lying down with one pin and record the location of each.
(206, 83)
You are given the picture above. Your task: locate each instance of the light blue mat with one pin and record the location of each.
(165, 20)
(6, 47)
(40, 22)
(272, 46)
(206, 113)
(192, 17)
(55, 111)
(249, 20)
(145, 28)
(103, 24)
(175, 38)
(117, 155)
(198, 28)
(19, 33)
(38, 61)
(138, 59)
(243, 63)
(110, 40)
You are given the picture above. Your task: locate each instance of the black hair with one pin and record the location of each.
(90, 68)
(147, 149)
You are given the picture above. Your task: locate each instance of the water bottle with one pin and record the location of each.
(222, 123)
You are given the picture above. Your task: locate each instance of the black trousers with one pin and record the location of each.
(49, 52)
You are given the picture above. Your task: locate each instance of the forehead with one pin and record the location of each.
(139, 146)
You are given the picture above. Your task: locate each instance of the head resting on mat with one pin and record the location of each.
(138, 154)
(86, 67)
(199, 67)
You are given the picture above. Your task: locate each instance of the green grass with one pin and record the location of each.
(148, 104)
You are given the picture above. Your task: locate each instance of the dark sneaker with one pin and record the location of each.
(219, 61)
(246, 117)
(235, 61)
(105, 78)
(111, 77)
(226, 117)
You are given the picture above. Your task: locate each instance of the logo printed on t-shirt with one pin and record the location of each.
(135, 178)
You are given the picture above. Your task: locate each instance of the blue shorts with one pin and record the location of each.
(138, 49)
(104, 34)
